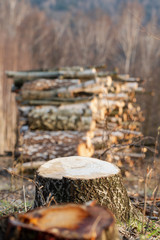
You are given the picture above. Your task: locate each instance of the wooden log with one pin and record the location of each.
(141, 90)
(104, 106)
(80, 179)
(64, 222)
(114, 119)
(22, 77)
(84, 74)
(44, 84)
(91, 86)
(126, 78)
(100, 138)
(27, 167)
(38, 95)
(30, 75)
(48, 84)
(115, 111)
(130, 86)
(88, 102)
(45, 145)
(117, 96)
(127, 131)
(104, 138)
(106, 80)
(131, 125)
(111, 103)
(79, 117)
(103, 74)
(73, 68)
(123, 76)
(127, 154)
(54, 101)
(115, 137)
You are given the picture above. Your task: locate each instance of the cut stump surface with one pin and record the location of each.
(64, 222)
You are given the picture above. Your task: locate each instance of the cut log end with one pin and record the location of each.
(64, 222)
(84, 150)
(77, 167)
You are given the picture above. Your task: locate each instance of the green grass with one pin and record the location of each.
(137, 229)
(7, 208)
(153, 230)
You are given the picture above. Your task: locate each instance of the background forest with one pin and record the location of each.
(123, 35)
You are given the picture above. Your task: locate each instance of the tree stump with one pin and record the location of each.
(64, 222)
(80, 179)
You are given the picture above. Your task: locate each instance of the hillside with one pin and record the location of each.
(69, 5)
(109, 6)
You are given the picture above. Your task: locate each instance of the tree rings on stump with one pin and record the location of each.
(64, 222)
(80, 179)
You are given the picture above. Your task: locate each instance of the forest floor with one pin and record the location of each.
(140, 180)
(16, 191)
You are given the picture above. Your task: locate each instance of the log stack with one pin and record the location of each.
(76, 111)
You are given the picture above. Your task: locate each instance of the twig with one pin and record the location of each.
(145, 198)
(50, 200)
(16, 175)
(158, 184)
(152, 208)
(24, 195)
(126, 145)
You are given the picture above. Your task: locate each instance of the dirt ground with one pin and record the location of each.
(16, 192)
(141, 181)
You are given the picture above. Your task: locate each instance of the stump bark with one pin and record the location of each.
(64, 222)
(81, 179)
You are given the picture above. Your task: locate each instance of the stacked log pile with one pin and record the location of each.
(77, 111)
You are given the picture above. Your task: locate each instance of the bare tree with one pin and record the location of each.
(91, 38)
(128, 34)
(149, 48)
(148, 67)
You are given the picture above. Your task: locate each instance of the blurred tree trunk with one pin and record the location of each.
(21, 30)
(128, 34)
